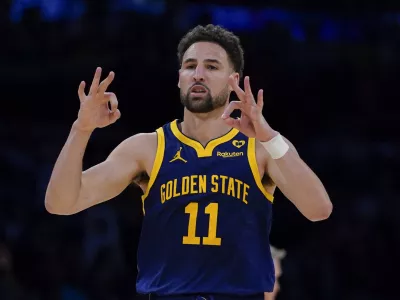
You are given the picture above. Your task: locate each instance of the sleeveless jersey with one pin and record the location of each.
(207, 218)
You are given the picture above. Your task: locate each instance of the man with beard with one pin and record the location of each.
(208, 180)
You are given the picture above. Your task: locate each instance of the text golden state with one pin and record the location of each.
(198, 184)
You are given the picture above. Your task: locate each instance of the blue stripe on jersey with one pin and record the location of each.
(207, 218)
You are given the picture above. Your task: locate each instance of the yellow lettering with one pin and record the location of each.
(239, 185)
(231, 187)
(212, 239)
(168, 194)
(193, 183)
(185, 185)
(245, 193)
(191, 238)
(223, 177)
(192, 209)
(214, 182)
(176, 194)
(202, 184)
(162, 192)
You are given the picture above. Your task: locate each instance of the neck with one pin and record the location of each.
(204, 127)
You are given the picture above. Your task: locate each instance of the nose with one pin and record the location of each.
(198, 74)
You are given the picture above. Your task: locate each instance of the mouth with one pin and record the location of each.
(198, 90)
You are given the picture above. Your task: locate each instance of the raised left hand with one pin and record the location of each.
(251, 122)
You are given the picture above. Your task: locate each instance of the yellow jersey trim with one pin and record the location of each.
(200, 150)
(251, 153)
(157, 163)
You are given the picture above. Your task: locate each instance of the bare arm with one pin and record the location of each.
(289, 172)
(65, 181)
(299, 184)
(70, 190)
(268, 296)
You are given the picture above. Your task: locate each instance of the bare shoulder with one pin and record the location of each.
(261, 153)
(140, 146)
(262, 158)
(140, 149)
(139, 142)
(266, 163)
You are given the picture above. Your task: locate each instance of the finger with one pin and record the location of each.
(230, 108)
(81, 91)
(115, 116)
(95, 82)
(106, 82)
(239, 92)
(260, 99)
(247, 90)
(107, 96)
(113, 102)
(235, 123)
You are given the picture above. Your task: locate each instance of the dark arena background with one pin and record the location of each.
(331, 80)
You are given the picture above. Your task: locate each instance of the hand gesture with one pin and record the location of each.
(94, 111)
(251, 122)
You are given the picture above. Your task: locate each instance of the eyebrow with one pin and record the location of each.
(209, 60)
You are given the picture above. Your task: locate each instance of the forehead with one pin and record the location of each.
(206, 50)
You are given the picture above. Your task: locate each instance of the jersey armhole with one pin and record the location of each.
(251, 154)
(157, 163)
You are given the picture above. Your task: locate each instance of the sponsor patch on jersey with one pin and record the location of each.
(229, 154)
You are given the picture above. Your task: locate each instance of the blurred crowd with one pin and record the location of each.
(336, 102)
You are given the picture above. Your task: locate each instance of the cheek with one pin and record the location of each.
(181, 82)
(183, 79)
(218, 85)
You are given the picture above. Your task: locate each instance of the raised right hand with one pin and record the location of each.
(94, 111)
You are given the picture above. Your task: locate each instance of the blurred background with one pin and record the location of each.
(330, 72)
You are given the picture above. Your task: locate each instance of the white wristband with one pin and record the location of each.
(276, 147)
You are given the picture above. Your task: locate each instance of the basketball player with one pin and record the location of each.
(208, 179)
(277, 256)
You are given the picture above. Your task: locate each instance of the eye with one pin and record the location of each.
(210, 67)
(191, 67)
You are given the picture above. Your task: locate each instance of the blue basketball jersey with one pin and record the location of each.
(207, 218)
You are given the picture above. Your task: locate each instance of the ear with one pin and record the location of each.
(236, 77)
(179, 79)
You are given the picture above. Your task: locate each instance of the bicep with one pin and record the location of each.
(108, 179)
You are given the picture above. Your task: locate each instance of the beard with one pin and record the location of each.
(206, 103)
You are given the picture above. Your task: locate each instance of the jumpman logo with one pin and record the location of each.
(178, 156)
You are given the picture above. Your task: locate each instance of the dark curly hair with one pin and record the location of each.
(214, 34)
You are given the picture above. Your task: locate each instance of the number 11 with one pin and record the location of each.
(191, 239)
